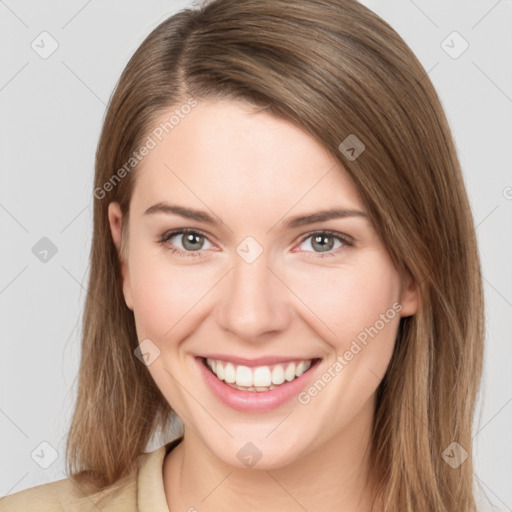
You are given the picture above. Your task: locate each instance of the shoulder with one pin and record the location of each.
(67, 495)
(71, 495)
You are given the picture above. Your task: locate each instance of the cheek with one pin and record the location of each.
(349, 299)
(163, 293)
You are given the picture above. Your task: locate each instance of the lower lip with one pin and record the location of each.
(255, 401)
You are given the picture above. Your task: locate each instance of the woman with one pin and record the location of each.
(284, 260)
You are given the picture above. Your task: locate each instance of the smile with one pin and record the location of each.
(261, 378)
(260, 388)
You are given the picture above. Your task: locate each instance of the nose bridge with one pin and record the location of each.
(255, 300)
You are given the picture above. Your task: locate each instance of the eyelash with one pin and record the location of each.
(195, 254)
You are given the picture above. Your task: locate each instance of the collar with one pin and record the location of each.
(150, 482)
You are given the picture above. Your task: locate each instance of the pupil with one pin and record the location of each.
(323, 239)
(189, 239)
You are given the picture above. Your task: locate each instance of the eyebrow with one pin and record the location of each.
(292, 222)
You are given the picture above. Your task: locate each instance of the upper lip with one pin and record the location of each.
(258, 361)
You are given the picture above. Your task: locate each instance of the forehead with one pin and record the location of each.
(228, 155)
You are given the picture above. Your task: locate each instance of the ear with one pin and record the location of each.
(115, 218)
(410, 297)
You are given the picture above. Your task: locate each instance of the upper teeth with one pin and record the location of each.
(261, 376)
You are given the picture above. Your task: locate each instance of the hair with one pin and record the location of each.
(334, 69)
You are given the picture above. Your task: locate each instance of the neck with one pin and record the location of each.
(333, 476)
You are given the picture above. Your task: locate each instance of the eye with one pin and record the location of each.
(190, 245)
(323, 242)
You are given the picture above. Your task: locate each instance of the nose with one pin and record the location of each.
(255, 301)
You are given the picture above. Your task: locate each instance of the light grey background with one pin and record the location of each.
(51, 114)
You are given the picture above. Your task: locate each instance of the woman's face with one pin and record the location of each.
(257, 281)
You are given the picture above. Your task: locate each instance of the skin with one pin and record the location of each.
(253, 171)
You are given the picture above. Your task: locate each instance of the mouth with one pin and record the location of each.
(259, 379)
(256, 388)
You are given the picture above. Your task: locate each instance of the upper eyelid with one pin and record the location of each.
(336, 234)
(183, 231)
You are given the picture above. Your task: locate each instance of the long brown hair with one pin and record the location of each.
(335, 69)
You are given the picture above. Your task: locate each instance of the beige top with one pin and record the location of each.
(142, 491)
